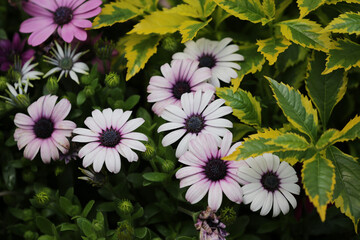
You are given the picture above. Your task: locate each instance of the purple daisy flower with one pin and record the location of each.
(183, 76)
(67, 17)
(109, 134)
(208, 173)
(10, 50)
(210, 226)
(44, 129)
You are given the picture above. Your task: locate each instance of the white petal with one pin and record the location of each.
(172, 137)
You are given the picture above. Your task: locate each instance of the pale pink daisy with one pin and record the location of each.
(44, 129)
(109, 134)
(208, 173)
(183, 76)
(269, 184)
(67, 17)
(218, 56)
(195, 115)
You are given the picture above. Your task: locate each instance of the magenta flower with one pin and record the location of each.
(208, 173)
(9, 50)
(44, 129)
(68, 17)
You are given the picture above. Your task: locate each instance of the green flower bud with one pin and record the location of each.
(13, 75)
(3, 81)
(150, 152)
(228, 216)
(89, 91)
(112, 80)
(85, 79)
(104, 49)
(125, 231)
(42, 198)
(125, 207)
(169, 43)
(52, 85)
(29, 235)
(28, 214)
(167, 166)
(59, 170)
(28, 176)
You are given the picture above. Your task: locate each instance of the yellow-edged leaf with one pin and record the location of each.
(269, 8)
(324, 139)
(350, 132)
(291, 141)
(195, 8)
(272, 47)
(346, 23)
(190, 28)
(138, 50)
(307, 6)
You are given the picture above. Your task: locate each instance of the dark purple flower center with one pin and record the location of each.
(63, 15)
(207, 61)
(179, 88)
(110, 138)
(195, 123)
(270, 181)
(43, 128)
(215, 169)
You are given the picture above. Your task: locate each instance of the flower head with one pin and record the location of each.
(67, 17)
(183, 76)
(218, 56)
(194, 116)
(109, 134)
(66, 61)
(208, 173)
(11, 50)
(45, 129)
(23, 74)
(269, 184)
(210, 226)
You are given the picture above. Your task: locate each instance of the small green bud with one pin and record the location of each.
(85, 79)
(167, 166)
(29, 235)
(13, 75)
(169, 43)
(150, 152)
(98, 226)
(28, 176)
(112, 80)
(52, 85)
(3, 81)
(42, 198)
(59, 170)
(125, 231)
(125, 207)
(89, 91)
(228, 216)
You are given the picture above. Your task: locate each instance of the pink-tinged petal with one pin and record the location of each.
(110, 160)
(170, 126)
(171, 117)
(191, 180)
(205, 99)
(167, 72)
(115, 117)
(268, 202)
(215, 196)
(90, 157)
(117, 160)
(99, 118)
(184, 144)
(160, 82)
(107, 113)
(159, 95)
(220, 112)
(80, 34)
(132, 125)
(90, 123)
(76, 3)
(88, 148)
(22, 120)
(234, 147)
(89, 5)
(84, 139)
(209, 144)
(64, 132)
(61, 142)
(45, 151)
(122, 120)
(99, 160)
(173, 137)
(35, 109)
(61, 110)
(25, 137)
(81, 23)
(35, 10)
(48, 105)
(158, 107)
(86, 132)
(32, 148)
(35, 24)
(187, 103)
(232, 190)
(48, 4)
(38, 37)
(200, 75)
(134, 144)
(127, 153)
(65, 124)
(189, 158)
(213, 106)
(67, 32)
(88, 14)
(197, 149)
(188, 171)
(135, 136)
(225, 144)
(197, 191)
(254, 165)
(283, 204)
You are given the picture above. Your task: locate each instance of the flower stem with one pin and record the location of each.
(183, 210)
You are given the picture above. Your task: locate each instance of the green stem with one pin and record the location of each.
(183, 210)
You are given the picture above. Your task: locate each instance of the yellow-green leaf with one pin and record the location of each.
(250, 10)
(306, 33)
(293, 157)
(337, 1)
(318, 177)
(280, 8)
(190, 28)
(291, 141)
(293, 55)
(116, 12)
(160, 22)
(350, 132)
(272, 47)
(324, 139)
(269, 8)
(346, 23)
(307, 6)
(345, 54)
(138, 50)
(195, 8)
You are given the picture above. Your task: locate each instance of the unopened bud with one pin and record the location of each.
(112, 80)
(125, 207)
(150, 152)
(52, 85)
(169, 43)
(42, 198)
(167, 166)
(228, 216)
(89, 91)
(125, 231)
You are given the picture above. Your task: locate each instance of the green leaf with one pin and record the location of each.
(293, 55)
(155, 176)
(87, 208)
(250, 10)
(346, 23)
(350, 132)
(131, 102)
(9, 176)
(296, 107)
(68, 227)
(253, 62)
(347, 190)
(46, 237)
(44, 225)
(138, 50)
(240, 130)
(3, 34)
(272, 47)
(293, 157)
(280, 8)
(269, 8)
(190, 28)
(324, 139)
(195, 8)
(86, 226)
(345, 54)
(307, 6)
(318, 177)
(141, 232)
(244, 105)
(306, 33)
(81, 98)
(324, 90)
(116, 12)
(291, 141)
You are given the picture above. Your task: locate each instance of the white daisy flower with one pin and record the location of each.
(270, 184)
(66, 61)
(24, 74)
(218, 56)
(196, 115)
(17, 96)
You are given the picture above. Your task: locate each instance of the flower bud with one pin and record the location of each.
(3, 81)
(112, 80)
(150, 152)
(125, 207)
(228, 216)
(85, 79)
(169, 43)
(167, 166)
(29, 235)
(52, 85)
(89, 91)
(42, 198)
(28, 176)
(125, 231)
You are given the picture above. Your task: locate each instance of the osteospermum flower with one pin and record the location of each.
(66, 61)
(67, 17)
(269, 184)
(26, 73)
(218, 56)
(44, 129)
(208, 173)
(183, 76)
(195, 115)
(109, 134)
(210, 226)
